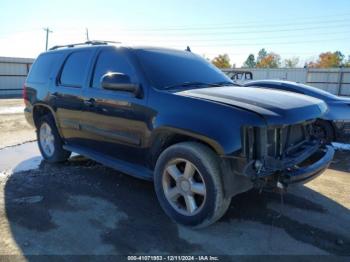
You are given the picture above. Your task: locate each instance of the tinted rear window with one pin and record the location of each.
(42, 67)
(75, 67)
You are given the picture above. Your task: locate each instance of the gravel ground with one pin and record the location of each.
(83, 208)
(13, 127)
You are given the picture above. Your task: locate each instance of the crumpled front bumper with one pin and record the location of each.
(240, 175)
(310, 170)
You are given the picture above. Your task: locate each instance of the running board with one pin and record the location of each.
(120, 165)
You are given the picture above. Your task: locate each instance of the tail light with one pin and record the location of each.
(24, 94)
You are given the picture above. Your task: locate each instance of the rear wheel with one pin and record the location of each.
(49, 141)
(188, 184)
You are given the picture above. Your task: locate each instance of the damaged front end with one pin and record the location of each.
(274, 157)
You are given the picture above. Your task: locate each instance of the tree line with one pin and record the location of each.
(266, 59)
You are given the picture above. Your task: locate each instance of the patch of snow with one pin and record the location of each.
(11, 110)
(340, 146)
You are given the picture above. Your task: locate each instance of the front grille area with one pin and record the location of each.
(347, 127)
(276, 142)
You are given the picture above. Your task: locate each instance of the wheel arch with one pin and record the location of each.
(40, 110)
(330, 124)
(167, 136)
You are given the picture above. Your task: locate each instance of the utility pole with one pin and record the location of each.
(87, 34)
(47, 36)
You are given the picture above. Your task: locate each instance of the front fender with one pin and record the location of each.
(217, 124)
(337, 111)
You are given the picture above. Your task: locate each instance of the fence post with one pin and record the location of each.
(340, 80)
(306, 75)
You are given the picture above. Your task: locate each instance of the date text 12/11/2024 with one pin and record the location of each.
(173, 258)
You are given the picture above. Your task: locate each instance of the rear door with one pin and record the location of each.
(114, 121)
(69, 102)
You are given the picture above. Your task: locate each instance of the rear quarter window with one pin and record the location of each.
(42, 68)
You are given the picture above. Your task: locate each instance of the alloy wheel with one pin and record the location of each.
(184, 187)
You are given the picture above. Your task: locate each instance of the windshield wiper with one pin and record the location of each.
(187, 84)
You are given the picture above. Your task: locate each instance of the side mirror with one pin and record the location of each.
(120, 82)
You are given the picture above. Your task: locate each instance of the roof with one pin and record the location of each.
(99, 44)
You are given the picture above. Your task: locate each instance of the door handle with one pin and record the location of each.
(89, 102)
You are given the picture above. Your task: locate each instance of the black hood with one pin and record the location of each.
(276, 107)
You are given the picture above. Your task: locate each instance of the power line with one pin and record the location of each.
(239, 26)
(240, 39)
(274, 43)
(233, 32)
(254, 24)
(292, 19)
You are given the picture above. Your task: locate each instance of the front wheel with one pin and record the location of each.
(324, 131)
(49, 141)
(188, 184)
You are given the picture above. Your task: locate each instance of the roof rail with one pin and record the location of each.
(92, 42)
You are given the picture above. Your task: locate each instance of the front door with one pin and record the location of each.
(114, 121)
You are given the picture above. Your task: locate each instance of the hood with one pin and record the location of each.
(344, 99)
(276, 107)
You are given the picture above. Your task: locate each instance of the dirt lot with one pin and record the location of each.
(81, 207)
(13, 127)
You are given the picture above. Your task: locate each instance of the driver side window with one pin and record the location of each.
(111, 61)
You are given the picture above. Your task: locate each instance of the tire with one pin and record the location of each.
(325, 131)
(188, 172)
(49, 141)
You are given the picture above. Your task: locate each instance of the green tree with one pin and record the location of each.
(222, 61)
(250, 62)
(271, 60)
(291, 62)
(340, 56)
(328, 60)
(261, 55)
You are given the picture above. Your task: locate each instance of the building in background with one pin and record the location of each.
(13, 72)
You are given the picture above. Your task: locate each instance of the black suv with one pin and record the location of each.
(171, 117)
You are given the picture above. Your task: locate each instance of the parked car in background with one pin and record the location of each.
(240, 77)
(334, 124)
(171, 117)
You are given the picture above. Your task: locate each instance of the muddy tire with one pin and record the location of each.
(49, 141)
(188, 184)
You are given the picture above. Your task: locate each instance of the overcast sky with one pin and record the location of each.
(238, 28)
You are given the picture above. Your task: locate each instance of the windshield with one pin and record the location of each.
(174, 69)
